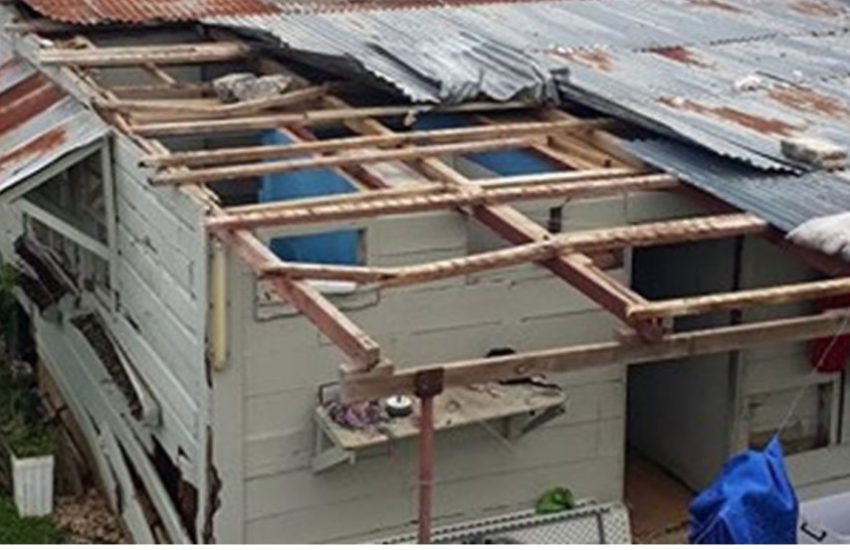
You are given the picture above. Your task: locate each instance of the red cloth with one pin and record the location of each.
(831, 357)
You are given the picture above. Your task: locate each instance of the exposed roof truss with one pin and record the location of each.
(590, 166)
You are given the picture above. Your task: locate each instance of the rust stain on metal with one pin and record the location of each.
(818, 8)
(40, 145)
(26, 100)
(680, 54)
(93, 12)
(753, 122)
(716, 5)
(806, 99)
(596, 59)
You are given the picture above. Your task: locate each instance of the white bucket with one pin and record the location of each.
(825, 520)
(33, 481)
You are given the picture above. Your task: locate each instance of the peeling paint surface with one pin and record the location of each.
(39, 123)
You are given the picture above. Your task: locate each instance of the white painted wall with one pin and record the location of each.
(264, 399)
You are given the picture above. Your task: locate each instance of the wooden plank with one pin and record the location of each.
(594, 240)
(453, 408)
(178, 54)
(575, 269)
(244, 171)
(212, 108)
(310, 118)
(421, 198)
(357, 387)
(421, 137)
(777, 295)
(362, 350)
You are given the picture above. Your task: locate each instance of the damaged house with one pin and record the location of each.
(546, 231)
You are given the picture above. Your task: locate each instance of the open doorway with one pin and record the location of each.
(679, 412)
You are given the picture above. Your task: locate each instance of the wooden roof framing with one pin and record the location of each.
(591, 166)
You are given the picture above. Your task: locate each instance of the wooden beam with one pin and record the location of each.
(588, 241)
(242, 171)
(179, 54)
(420, 137)
(362, 351)
(212, 108)
(310, 118)
(421, 198)
(777, 295)
(358, 387)
(575, 269)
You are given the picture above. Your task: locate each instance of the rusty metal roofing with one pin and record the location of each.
(39, 123)
(92, 12)
(683, 66)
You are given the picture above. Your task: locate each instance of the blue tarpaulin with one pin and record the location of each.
(337, 247)
(752, 502)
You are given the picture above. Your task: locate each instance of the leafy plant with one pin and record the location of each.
(17, 530)
(8, 309)
(21, 421)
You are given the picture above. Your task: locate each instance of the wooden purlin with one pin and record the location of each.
(307, 118)
(421, 198)
(357, 387)
(777, 295)
(422, 137)
(588, 241)
(243, 171)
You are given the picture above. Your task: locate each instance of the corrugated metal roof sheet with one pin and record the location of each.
(39, 123)
(785, 200)
(91, 12)
(459, 50)
(674, 65)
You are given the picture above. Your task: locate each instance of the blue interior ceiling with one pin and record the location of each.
(336, 247)
(510, 162)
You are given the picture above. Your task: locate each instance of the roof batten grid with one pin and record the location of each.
(363, 352)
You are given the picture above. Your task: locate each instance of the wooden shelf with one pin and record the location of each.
(454, 408)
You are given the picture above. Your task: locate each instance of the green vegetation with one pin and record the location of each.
(22, 427)
(17, 530)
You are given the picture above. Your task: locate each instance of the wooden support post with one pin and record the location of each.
(358, 387)
(363, 352)
(428, 385)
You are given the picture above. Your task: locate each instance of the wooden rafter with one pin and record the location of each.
(363, 352)
(357, 387)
